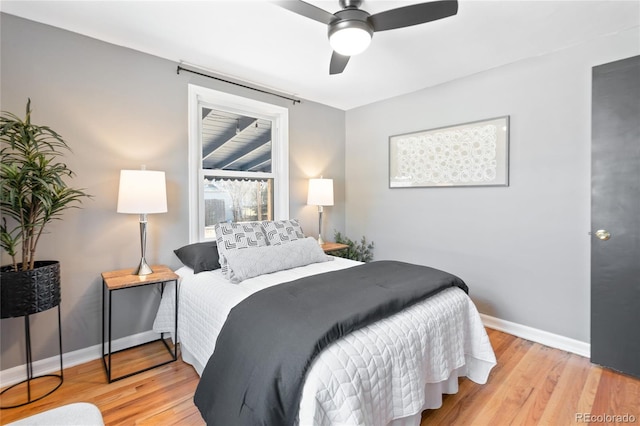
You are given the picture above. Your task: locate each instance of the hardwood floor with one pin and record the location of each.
(537, 385)
(532, 384)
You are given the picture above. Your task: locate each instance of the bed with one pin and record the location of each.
(385, 373)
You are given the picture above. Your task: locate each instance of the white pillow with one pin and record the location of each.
(234, 236)
(244, 264)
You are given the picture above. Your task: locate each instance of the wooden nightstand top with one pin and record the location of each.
(327, 247)
(124, 277)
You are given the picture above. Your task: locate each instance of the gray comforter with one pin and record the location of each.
(256, 373)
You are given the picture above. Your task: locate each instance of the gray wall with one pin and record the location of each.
(523, 249)
(118, 109)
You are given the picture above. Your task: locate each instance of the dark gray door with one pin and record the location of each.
(615, 216)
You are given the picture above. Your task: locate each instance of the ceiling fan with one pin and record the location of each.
(351, 29)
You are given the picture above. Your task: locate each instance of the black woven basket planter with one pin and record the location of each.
(29, 292)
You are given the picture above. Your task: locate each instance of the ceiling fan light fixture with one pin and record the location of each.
(349, 38)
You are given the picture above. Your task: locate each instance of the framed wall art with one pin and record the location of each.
(470, 154)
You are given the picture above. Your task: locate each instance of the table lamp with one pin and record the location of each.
(320, 194)
(142, 192)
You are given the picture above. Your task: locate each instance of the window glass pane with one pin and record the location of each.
(235, 142)
(236, 200)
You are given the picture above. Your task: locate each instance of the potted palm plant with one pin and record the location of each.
(33, 193)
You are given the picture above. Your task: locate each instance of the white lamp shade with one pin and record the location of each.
(320, 192)
(142, 191)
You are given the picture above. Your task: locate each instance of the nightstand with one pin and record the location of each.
(329, 247)
(123, 279)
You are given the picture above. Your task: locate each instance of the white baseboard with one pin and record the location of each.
(539, 336)
(69, 359)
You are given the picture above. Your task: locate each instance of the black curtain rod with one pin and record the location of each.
(237, 84)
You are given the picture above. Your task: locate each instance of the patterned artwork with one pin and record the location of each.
(464, 155)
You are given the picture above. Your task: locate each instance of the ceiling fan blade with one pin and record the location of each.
(308, 10)
(338, 63)
(413, 15)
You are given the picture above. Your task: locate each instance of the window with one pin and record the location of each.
(238, 161)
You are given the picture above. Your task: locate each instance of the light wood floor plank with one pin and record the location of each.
(531, 385)
(588, 393)
(564, 401)
(516, 389)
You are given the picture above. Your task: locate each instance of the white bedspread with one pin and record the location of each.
(385, 373)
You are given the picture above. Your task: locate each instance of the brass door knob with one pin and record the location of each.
(603, 234)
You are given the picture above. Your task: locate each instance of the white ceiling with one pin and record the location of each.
(261, 43)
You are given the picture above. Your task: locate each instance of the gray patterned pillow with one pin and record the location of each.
(282, 231)
(234, 236)
(244, 264)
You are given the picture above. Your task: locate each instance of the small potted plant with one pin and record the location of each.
(33, 193)
(362, 251)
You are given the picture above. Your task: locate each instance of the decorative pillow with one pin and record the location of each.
(282, 231)
(244, 264)
(234, 236)
(199, 256)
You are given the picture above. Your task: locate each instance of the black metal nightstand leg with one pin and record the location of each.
(109, 371)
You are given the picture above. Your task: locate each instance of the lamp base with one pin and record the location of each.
(143, 268)
(320, 240)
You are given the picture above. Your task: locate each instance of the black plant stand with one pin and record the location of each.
(29, 365)
(25, 294)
